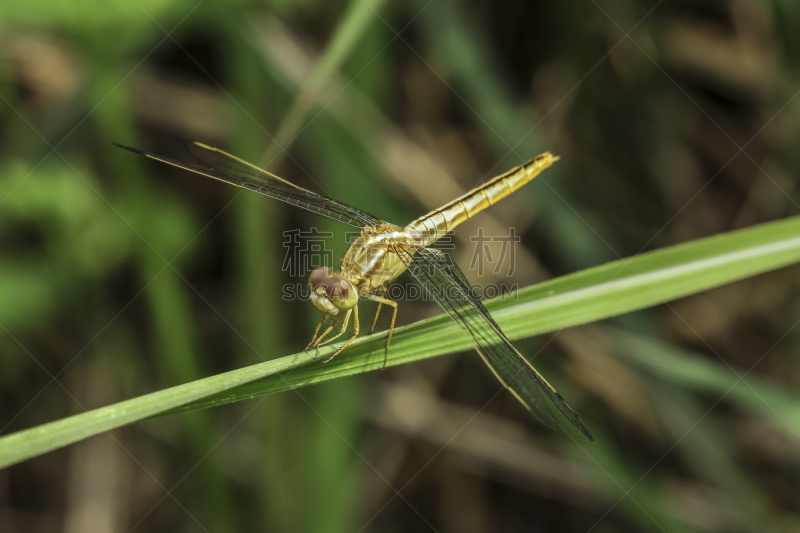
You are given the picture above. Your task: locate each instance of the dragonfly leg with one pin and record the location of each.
(351, 339)
(381, 292)
(377, 314)
(393, 305)
(315, 342)
(344, 327)
(316, 331)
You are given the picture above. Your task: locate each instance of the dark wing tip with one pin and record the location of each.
(134, 150)
(452, 275)
(568, 413)
(578, 423)
(585, 431)
(571, 415)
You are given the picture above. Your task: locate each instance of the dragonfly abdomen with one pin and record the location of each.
(428, 229)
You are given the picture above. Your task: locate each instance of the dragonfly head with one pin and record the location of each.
(331, 293)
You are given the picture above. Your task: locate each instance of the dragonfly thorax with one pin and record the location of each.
(372, 259)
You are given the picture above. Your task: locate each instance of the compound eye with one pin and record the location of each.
(341, 292)
(319, 275)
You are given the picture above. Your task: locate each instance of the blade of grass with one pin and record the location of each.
(168, 298)
(705, 447)
(694, 372)
(258, 295)
(593, 294)
(354, 23)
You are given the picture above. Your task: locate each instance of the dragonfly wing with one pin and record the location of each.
(220, 165)
(443, 279)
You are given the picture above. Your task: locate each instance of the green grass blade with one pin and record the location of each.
(355, 21)
(657, 277)
(695, 372)
(593, 294)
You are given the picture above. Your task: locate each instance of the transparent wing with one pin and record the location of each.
(225, 167)
(446, 283)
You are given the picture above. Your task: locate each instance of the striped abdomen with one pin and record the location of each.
(428, 229)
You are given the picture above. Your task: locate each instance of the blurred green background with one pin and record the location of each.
(118, 276)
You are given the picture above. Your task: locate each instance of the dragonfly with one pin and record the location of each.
(383, 251)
